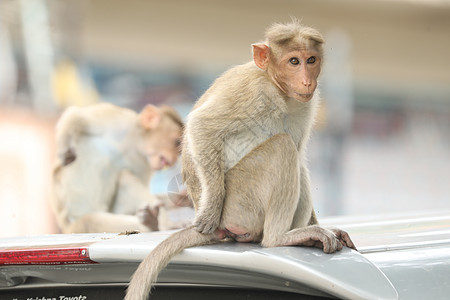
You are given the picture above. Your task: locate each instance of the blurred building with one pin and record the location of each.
(387, 87)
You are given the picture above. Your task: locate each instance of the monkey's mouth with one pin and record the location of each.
(163, 162)
(304, 97)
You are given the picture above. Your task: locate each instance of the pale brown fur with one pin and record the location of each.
(105, 158)
(243, 158)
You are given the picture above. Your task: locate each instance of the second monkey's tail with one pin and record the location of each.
(147, 272)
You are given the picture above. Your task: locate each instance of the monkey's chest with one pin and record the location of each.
(237, 145)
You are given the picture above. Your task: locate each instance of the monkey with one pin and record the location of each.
(106, 156)
(244, 155)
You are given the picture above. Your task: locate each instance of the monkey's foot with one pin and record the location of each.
(344, 238)
(330, 240)
(314, 236)
(206, 223)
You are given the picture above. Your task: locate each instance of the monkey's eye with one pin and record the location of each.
(177, 143)
(294, 61)
(311, 60)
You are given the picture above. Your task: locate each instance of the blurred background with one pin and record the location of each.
(382, 140)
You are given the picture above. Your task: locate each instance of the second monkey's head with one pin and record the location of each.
(162, 131)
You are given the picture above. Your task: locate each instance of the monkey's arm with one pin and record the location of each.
(206, 146)
(132, 194)
(133, 197)
(226, 108)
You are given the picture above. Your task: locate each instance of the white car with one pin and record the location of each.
(398, 258)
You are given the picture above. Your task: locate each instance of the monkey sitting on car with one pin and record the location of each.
(244, 155)
(105, 158)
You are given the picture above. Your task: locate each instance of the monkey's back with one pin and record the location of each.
(251, 109)
(101, 153)
(236, 83)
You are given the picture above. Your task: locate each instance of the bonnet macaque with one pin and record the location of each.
(105, 158)
(243, 158)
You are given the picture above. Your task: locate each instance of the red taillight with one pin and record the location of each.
(51, 256)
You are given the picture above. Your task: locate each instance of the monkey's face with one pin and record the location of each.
(163, 145)
(295, 73)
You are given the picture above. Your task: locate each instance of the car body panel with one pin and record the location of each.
(333, 274)
(412, 250)
(398, 258)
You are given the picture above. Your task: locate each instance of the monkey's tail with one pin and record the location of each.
(147, 272)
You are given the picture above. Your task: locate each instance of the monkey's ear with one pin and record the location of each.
(149, 117)
(261, 54)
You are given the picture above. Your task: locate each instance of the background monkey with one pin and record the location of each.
(243, 158)
(105, 158)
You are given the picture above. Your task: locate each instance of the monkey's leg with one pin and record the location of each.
(262, 191)
(106, 222)
(304, 214)
(190, 178)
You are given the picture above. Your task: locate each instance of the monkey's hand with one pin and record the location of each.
(344, 238)
(207, 220)
(330, 240)
(149, 217)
